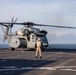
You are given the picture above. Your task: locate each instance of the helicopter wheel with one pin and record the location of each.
(31, 49)
(43, 50)
(12, 49)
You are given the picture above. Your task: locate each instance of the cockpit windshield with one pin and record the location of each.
(40, 35)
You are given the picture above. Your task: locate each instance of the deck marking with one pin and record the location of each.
(68, 70)
(29, 68)
(65, 68)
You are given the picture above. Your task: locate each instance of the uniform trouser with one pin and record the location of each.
(38, 49)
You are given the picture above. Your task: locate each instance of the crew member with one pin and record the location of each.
(38, 48)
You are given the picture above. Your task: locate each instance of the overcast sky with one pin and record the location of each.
(52, 12)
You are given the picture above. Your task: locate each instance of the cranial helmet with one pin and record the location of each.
(38, 38)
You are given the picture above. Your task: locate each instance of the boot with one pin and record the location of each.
(40, 57)
(36, 57)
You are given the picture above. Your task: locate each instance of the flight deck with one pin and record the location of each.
(23, 62)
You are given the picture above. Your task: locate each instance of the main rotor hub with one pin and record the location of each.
(28, 24)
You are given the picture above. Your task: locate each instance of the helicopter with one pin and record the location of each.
(27, 36)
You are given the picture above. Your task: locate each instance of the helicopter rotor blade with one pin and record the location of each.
(33, 24)
(54, 26)
(11, 24)
(12, 19)
(2, 24)
(15, 20)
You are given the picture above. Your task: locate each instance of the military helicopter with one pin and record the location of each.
(26, 37)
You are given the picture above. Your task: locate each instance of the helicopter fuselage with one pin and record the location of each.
(27, 38)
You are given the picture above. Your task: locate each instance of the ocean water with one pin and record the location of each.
(4, 46)
(64, 46)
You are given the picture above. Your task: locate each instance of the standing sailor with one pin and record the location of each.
(38, 48)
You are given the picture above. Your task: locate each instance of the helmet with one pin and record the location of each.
(39, 39)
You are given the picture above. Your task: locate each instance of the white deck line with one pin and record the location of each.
(67, 68)
(74, 70)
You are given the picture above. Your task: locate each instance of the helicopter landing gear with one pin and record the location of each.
(31, 49)
(42, 49)
(12, 49)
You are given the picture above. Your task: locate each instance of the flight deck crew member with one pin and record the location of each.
(38, 48)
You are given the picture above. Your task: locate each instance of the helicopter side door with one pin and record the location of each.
(31, 42)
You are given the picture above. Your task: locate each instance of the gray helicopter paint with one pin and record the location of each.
(16, 42)
(33, 38)
(21, 41)
(31, 43)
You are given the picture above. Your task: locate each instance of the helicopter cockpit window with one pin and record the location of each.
(40, 35)
(33, 36)
(28, 38)
(36, 30)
